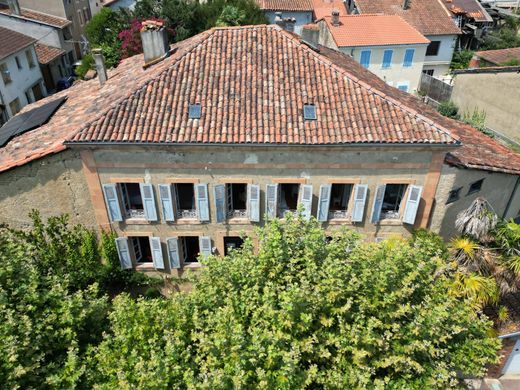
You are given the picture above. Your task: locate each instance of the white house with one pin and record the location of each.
(300, 12)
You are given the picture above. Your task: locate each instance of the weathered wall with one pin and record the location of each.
(497, 188)
(440, 63)
(53, 185)
(498, 94)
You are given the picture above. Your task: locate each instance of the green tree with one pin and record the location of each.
(503, 37)
(461, 59)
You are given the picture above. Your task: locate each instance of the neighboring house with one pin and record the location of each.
(298, 10)
(323, 8)
(21, 81)
(116, 4)
(494, 90)
(499, 57)
(384, 44)
(430, 18)
(95, 6)
(238, 125)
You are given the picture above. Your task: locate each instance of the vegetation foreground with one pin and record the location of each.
(302, 311)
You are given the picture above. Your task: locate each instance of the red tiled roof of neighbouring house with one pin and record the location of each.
(471, 8)
(500, 56)
(285, 5)
(324, 8)
(40, 17)
(428, 16)
(373, 30)
(12, 42)
(47, 54)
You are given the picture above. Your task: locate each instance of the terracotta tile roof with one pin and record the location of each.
(285, 5)
(40, 17)
(500, 56)
(324, 8)
(428, 16)
(12, 42)
(47, 54)
(471, 8)
(374, 30)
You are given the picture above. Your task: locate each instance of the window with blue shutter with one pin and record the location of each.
(412, 204)
(157, 256)
(165, 193)
(402, 87)
(271, 200)
(123, 252)
(323, 203)
(365, 58)
(112, 202)
(147, 196)
(360, 197)
(253, 204)
(201, 193)
(220, 202)
(205, 246)
(408, 57)
(387, 58)
(307, 201)
(378, 203)
(173, 252)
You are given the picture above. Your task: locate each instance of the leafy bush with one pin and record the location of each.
(449, 109)
(461, 59)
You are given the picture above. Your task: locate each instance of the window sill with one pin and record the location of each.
(390, 222)
(136, 221)
(339, 221)
(188, 221)
(145, 266)
(194, 265)
(238, 221)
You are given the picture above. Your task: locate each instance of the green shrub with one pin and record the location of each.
(449, 109)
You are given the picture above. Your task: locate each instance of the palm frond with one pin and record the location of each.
(477, 221)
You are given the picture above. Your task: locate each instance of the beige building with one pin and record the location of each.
(204, 145)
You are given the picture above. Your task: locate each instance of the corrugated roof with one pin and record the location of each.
(12, 42)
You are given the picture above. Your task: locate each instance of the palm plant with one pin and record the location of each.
(477, 221)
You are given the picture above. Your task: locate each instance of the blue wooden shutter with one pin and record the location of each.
(307, 201)
(201, 194)
(173, 252)
(387, 58)
(150, 212)
(220, 202)
(271, 200)
(253, 204)
(378, 203)
(412, 204)
(205, 246)
(408, 57)
(360, 197)
(112, 202)
(157, 255)
(165, 193)
(365, 58)
(123, 252)
(324, 202)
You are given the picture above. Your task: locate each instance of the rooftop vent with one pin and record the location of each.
(335, 18)
(194, 111)
(100, 66)
(154, 38)
(309, 112)
(311, 35)
(406, 4)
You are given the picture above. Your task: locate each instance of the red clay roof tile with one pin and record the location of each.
(25, 13)
(47, 54)
(285, 5)
(12, 42)
(500, 56)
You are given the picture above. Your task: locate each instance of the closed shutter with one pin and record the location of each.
(307, 201)
(150, 212)
(165, 193)
(205, 246)
(173, 252)
(220, 202)
(324, 202)
(253, 202)
(271, 200)
(365, 58)
(360, 198)
(387, 58)
(412, 204)
(112, 202)
(123, 252)
(157, 255)
(408, 57)
(201, 193)
(378, 203)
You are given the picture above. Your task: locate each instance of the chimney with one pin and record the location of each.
(311, 35)
(335, 17)
(14, 6)
(474, 62)
(154, 38)
(406, 4)
(100, 66)
(278, 20)
(289, 24)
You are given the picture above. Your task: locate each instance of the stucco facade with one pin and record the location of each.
(439, 63)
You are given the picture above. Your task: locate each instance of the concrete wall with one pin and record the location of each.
(51, 7)
(497, 188)
(498, 94)
(302, 18)
(441, 62)
(54, 185)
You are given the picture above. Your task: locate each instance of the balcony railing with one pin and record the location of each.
(390, 215)
(187, 214)
(237, 214)
(338, 214)
(135, 213)
(284, 211)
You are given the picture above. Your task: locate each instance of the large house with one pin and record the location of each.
(182, 154)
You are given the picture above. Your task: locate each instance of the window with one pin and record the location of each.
(387, 58)
(37, 92)
(232, 243)
(402, 87)
(309, 112)
(392, 201)
(80, 18)
(132, 200)
(339, 200)
(429, 72)
(194, 111)
(185, 200)
(408, 57)
(288, 201)
(236, 200)
(142, 250)
(189, 249)
(6, 75)
(365, 58)
(15, 106)
(18, 63)
(454, 195)
(475, 186)
(28, 96)
(433, 48)
(30, 58)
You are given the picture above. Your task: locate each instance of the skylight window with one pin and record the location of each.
(194, 111)
(309, 112)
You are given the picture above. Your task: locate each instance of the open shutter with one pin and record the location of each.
(150, 212)
(307, 201)
(205, 246)
(201, 192)
(360, 198)
(378, 203)
(253, 202)
(123, 253)
(324, 202)
(165, 193)
(157, 255)
(173, 252)
(220, 202)
(271, 200)
(112, 201)
(412, 204)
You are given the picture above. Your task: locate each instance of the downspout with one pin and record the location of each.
(511, 197)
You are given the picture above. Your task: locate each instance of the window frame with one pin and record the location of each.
(313, 114)
(453, 198)
(191, 214)
(472, 190)
(230, 211)
(18, 63)
(6, 73)
(194, 111)
(30, 58)
(433, 44)
(279, 212)
(403, 86)
(125, 197)
(386, 63)
(402, 205)
(19, 106)
(348, 210)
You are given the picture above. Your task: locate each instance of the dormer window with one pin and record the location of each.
(194, 111)
(309, 112)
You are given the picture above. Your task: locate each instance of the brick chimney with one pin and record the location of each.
(335, 17)
(311, 34)
(14, 6)
(154, 38)
(406, 4)
(474, 62)
(100, 66)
